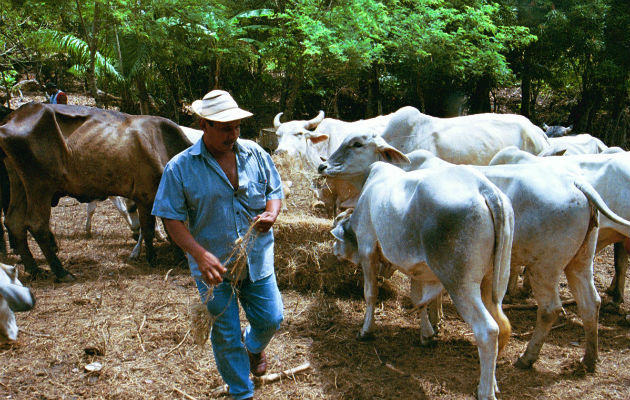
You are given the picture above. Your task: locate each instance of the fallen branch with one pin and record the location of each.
(139, 335)
(289, 373)
(531, 306)
(179, 344)
(35, 333)
(186, 395)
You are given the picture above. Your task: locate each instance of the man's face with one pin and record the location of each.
(220, 136)
(51, 91)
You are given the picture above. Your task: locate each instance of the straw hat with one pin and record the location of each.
(218, 105)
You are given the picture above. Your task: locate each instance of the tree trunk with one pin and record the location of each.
(374, 105)
(526, 87)
(480, 97)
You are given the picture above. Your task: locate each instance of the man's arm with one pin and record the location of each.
(268, 218)
(209, 265)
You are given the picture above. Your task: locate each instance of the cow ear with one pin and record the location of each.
(545, 127)
(393, 155)
(316, 137)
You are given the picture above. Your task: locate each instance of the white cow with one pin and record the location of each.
(446, 228)
(542, 201)
(131, 218)
(13, 298)
(312, 141)
(609, 174)
(555, 131)
(471, 139)
(578, 144)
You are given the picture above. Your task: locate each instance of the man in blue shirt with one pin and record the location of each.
(208, 197)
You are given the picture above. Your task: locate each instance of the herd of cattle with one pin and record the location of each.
(460, 205)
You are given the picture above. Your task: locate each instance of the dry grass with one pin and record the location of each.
(134, 320)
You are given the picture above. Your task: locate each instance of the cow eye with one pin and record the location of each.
(357, 144)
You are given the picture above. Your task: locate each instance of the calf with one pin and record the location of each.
(446, 228)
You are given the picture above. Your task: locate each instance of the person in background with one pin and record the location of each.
(56, 96)
(209, 196)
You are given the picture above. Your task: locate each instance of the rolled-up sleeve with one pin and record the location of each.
(170, 200)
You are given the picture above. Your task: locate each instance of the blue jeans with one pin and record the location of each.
(262, 304)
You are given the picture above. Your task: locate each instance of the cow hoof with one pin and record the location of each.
(522, 364)
(589, 365)
(365, 337)
(68, 277)
(611, 308)
(428, 342)
(37, 274)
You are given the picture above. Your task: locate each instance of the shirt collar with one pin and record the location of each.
(200, 149)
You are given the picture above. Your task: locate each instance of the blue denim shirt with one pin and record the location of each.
(195, 188)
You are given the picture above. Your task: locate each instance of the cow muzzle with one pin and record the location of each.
(322, 168)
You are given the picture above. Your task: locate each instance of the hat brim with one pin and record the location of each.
(228, 115)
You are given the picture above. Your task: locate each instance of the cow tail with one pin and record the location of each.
(595, 199)
(503, 219)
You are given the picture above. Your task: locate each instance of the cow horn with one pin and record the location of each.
(276, 121)
(312, 124)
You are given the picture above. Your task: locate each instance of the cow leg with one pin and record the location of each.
(545, 281)
(39, 222)
(512, 289)
(467, 300)
(579, 275)
(421, 294)
(370, 292)
(91, 207)
(147, 231)
(15, 222)
(617, 286)
(436, 315)
(132, 211)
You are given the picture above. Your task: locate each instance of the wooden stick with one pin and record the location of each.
(139, 335)
(284, 374)
(532, 306)
(223, 389)
(35, 333)
(186, 395)
(179, 344)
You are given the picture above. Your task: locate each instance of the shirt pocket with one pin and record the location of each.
(256, 198)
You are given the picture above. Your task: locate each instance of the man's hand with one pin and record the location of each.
(210, 267)
(265, 221)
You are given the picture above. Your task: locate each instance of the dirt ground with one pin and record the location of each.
(133, 319)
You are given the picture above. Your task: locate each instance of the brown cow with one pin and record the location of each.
(55, 150)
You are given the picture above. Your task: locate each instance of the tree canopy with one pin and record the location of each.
(354, 58)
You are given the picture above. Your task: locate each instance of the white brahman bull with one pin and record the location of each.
(471, 139)
(555, 131)
(609, 174)
(578, 144)
(312, 141)
(13, 298)
(542, 201)
(446, 228)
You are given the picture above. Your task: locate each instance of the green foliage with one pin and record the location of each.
(351, 58)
